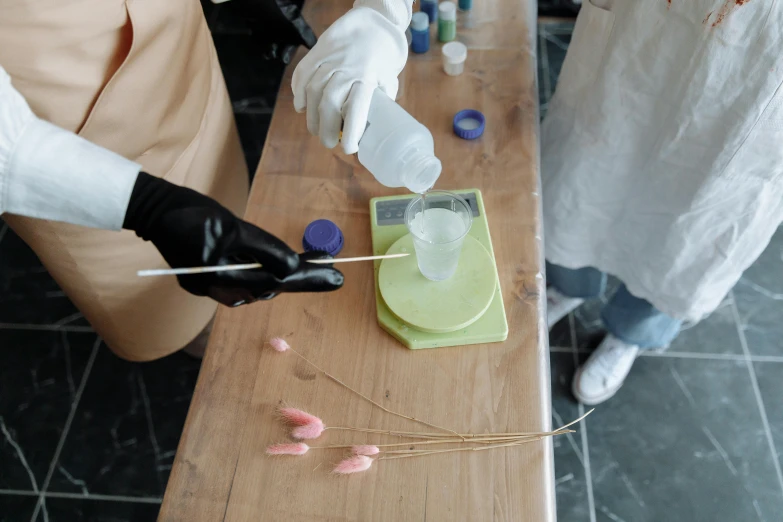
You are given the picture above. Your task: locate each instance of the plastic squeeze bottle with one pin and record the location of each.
(396, 149)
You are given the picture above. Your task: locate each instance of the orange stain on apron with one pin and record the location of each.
(726, 9)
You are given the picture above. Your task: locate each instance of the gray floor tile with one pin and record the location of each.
(761, 319)
(588, 327)
(560, 334)
(557, 45)
(683, 440)
(715, 334)
(759, 296)
(570, 481)
(770, 380)
(767, 271)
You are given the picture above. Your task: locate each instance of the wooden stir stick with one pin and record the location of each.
(250, 266)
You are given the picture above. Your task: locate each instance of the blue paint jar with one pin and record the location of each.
(420, 33)
(431, 8)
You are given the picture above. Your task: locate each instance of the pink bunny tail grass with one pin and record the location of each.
(309, 431)
(299, 448)
(280, 344)
(365, 450)
(299, 417)
(355, 464)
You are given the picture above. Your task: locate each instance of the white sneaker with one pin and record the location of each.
(604, 372)
(559, 305)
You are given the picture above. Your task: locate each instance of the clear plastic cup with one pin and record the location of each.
(438, 222)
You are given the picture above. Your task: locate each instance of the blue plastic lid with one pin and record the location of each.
(469, 124)
(323, 236)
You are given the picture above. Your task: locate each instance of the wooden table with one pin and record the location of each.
(221, 471)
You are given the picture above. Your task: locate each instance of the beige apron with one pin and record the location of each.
(139, 77)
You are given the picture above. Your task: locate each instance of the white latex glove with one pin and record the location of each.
(364, 50)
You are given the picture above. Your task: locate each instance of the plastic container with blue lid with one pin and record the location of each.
(323, 235)
(420, 33)
(469, 124)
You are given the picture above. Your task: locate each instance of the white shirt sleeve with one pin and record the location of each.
(49, 173)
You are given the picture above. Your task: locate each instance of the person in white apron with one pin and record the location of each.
(662, 164)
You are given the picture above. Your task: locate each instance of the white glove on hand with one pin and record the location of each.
(365, 49)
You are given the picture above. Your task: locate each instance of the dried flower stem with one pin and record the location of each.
(464, 437)
(341, 383)
(453, 440)
(422, 453)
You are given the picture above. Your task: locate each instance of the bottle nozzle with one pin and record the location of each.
(423, 174)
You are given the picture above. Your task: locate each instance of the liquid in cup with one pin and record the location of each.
(438, 222)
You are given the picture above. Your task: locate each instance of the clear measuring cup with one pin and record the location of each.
(438, 222)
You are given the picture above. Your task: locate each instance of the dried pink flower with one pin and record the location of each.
(354, 464)
(366, 450)
(279, 344)
(299, 448)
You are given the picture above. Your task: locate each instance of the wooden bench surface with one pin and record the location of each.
(221, 471)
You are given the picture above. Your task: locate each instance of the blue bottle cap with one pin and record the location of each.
(469, 124)
(323, 236)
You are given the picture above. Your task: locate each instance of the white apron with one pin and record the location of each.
(662, 149)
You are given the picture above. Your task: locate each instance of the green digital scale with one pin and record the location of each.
(465, 309)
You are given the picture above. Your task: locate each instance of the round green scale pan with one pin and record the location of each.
(438, 306)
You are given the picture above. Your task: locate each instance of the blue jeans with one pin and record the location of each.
(630, 319)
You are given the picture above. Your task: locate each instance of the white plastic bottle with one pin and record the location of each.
(398, 150)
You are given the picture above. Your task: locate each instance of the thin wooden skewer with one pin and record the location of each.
(352, 259)
(196, 270)
(250, 266)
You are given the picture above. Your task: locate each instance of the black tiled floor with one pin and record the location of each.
(14, 508)
(125, 433)
(40, 373)
(252, 83)
(28, 294)
(88, 510)
(253, 128)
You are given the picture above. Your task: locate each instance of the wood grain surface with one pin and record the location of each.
(221, 471)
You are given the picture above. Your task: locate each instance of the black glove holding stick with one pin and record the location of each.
(190, 229)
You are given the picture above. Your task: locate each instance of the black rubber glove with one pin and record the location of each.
(190, 229)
